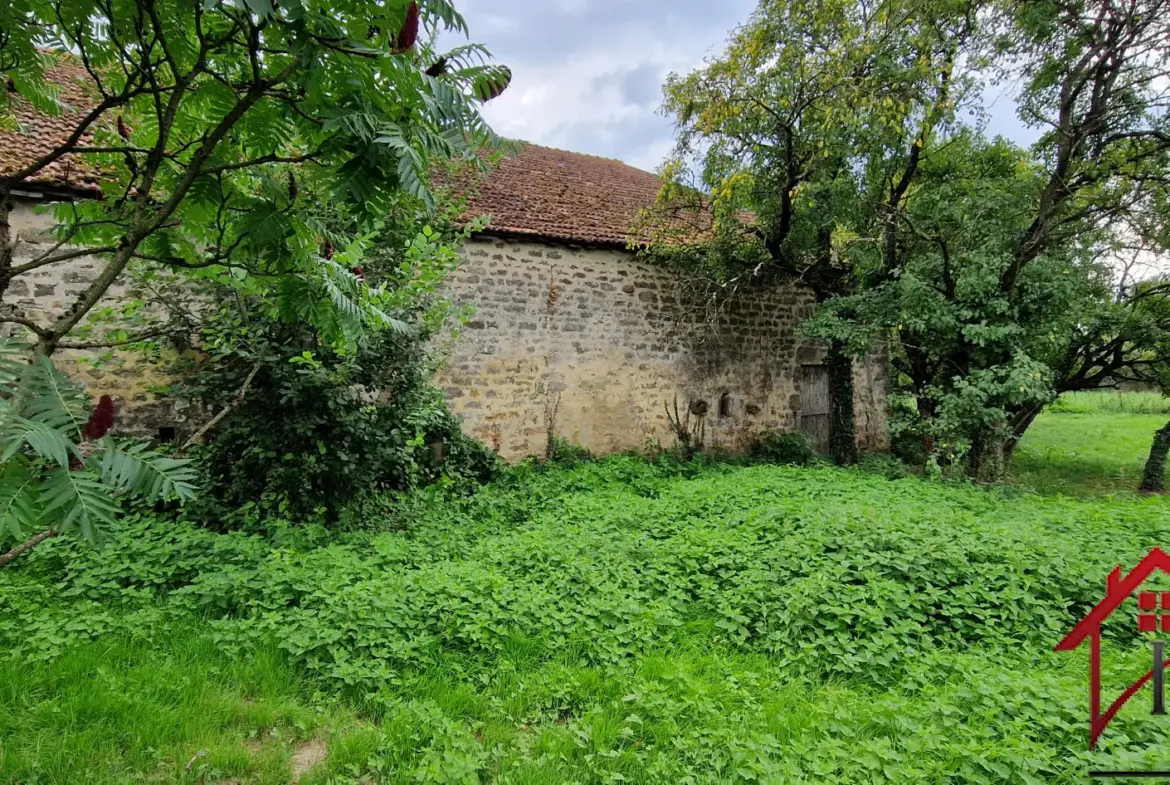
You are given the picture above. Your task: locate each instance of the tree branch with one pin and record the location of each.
(26, 546)
(214, 421)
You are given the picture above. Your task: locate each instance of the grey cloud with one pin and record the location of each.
(642, 86)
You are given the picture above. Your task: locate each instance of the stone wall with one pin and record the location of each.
(585, 343)
(42, 294)
(591, 345)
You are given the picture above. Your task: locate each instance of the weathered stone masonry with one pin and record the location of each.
(590, 344)
(42, 294)
(584, 342)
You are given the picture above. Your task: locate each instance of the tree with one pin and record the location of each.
(240, 142)
(808, 133)
(949, 324)
(252, 148)
(1000, 291)
(60, 472)
(1154, 475)
(1097, 77)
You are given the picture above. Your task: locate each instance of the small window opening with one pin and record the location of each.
(166, 433)
(725, 405)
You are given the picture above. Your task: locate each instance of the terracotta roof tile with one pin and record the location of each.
(38, 133)
(536, 191)
(557, 195)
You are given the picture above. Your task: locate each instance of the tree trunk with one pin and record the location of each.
(1154, 480)
(25, 546)
(1021, 421)
(842, 435)
(985, 460)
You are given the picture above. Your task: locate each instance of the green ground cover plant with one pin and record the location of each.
(614, 620)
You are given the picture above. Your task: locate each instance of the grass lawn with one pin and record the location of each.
(617, 621)
(1086, 454)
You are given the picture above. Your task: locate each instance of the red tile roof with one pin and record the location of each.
(535, 191)
(37, 133)
(557, 195)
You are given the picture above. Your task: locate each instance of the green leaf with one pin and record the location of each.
(77, 500)
(19, 491)
(134, 468)
(51, 444)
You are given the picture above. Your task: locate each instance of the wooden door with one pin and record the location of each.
(814, 404)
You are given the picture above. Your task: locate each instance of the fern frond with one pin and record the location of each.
(50, 443)
(77, 500)
(46, 395)
(135, 468)
(14, 356)
(19, 490)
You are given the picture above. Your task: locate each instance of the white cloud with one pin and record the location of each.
(586, 74)
(574, 7)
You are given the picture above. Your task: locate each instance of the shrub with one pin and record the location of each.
(312, 427)
(564, 452)
(783, 448)
(314, 432)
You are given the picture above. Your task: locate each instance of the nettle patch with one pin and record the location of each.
(826, 572)
(653, 622)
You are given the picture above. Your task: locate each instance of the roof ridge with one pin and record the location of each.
(574, 153)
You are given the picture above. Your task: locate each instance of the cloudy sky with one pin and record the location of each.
(588, 73)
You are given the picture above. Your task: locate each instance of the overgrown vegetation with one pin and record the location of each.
(674, 619)
(238, 163)
(790, 449)
(308, 428)
(657, 620)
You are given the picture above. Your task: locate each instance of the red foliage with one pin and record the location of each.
(409, 32)
(102, 419)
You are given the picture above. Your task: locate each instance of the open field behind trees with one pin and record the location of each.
(620, 620)
(1111, 402)
(1086, 448)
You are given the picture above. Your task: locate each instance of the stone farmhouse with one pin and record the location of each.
(572, 335)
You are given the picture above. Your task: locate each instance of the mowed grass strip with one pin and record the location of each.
(170, 708)
(1086, 455)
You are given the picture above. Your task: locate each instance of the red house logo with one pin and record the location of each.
(1153, 616)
